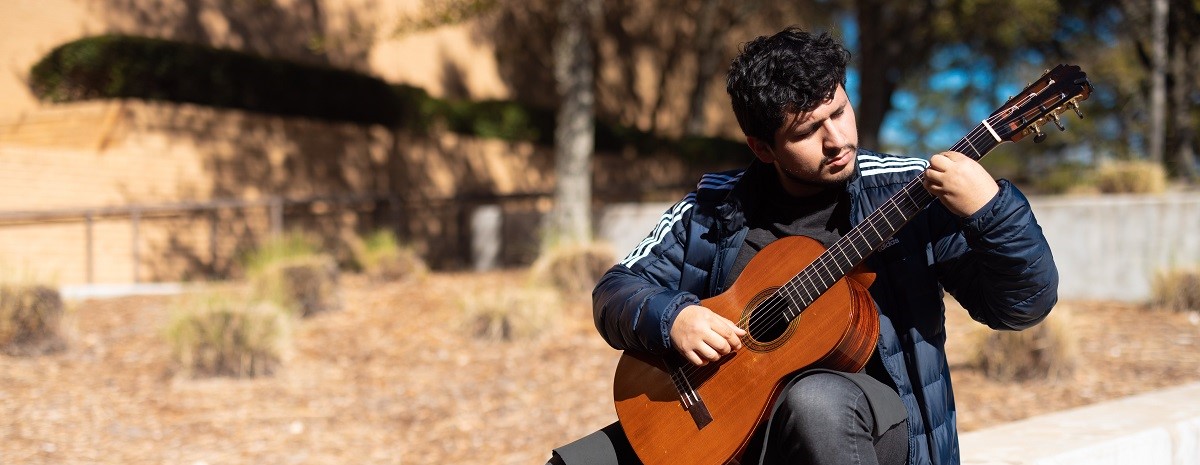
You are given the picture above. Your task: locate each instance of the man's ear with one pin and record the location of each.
(761, 149)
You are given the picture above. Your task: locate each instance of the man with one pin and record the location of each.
(979, 241)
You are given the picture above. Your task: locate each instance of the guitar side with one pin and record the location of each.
(837, 331)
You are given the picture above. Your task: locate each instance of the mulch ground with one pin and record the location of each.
(395, 377)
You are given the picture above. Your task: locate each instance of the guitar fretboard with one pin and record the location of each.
(856, 245)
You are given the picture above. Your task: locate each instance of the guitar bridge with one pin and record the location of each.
(690, 398)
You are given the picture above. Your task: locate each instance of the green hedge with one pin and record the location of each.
(508, 120)
(114, 66)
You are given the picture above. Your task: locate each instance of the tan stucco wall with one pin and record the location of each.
(114, 153)
(93, 155)
(356, 34)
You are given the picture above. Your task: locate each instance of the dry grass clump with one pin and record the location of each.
(1131, 177)
(1177, 289)
(290, 271)
(1047, 350)
(516, 313)
(30, 319)
(382, 258)
(573, 268)
(292, 245)
(1068, 179)
(303, 285)
(225, 335)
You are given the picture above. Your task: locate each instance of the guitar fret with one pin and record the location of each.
(889, 223)
(795, 298)
(973, 149)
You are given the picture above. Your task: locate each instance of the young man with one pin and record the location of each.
(979, 241)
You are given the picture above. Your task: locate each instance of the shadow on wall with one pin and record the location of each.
(308, 31)
(660, 65)
(422, 186)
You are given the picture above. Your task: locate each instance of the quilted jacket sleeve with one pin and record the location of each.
(637, 300)
(997, 263)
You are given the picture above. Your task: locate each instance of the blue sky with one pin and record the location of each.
(951, 77)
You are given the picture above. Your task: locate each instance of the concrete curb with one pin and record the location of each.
(1161, 427)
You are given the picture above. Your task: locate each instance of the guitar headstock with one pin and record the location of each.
(1058, 90)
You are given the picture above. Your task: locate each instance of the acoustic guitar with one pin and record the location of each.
(802, 306)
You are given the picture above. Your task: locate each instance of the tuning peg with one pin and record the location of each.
(1038, 135)
(1054, 118)
(1075, 106)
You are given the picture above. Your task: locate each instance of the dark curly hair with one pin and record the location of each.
(790, 72)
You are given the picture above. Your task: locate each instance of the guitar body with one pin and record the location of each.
(837, 331)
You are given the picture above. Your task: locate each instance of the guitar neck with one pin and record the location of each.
(870, 235)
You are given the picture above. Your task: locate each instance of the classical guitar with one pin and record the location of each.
(802, 306)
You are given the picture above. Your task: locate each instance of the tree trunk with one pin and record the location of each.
(708, 62)
(1158, 81)
(574, 134)
(876, 78)
(1185, 158)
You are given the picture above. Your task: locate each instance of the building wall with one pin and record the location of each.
(167, 161)
(645, 75)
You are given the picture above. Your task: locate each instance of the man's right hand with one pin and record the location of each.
(702, 336)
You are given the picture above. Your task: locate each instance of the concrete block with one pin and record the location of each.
(1161, 427)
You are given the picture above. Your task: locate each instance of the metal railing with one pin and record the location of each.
(397, 213)
(136, 213)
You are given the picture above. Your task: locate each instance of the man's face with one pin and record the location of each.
(813, 151)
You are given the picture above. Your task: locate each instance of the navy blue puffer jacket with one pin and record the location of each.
(996, 263)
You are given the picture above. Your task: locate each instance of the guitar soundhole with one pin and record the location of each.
(767, 321)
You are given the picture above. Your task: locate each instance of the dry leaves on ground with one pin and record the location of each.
(393, 378)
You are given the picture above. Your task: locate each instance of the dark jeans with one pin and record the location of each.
(822, 418)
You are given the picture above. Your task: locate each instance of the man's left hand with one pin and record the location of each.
(960, 183)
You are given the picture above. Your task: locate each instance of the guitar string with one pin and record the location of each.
(891, 209)
(777, 309)
(895, 204)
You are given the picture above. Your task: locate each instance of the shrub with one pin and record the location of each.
(117, 66)
(1067, 178)
(573, 268)
(220, 335)
(1177, 289)
(1131, 177)
(512, 313)
(1047, 350)
(499, 119)
(293, 245)
(382, 258)
(30, 319)
(303, 286)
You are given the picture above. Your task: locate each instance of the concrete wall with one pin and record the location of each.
(1157, 428)
(1110, 247)
(1106, 247)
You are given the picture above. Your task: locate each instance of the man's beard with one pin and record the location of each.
(839, 179)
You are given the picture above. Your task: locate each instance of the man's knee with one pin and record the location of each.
(821, 400)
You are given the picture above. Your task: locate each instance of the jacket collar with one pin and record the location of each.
(740, 200)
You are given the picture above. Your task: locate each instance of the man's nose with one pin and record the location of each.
(834, 137)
